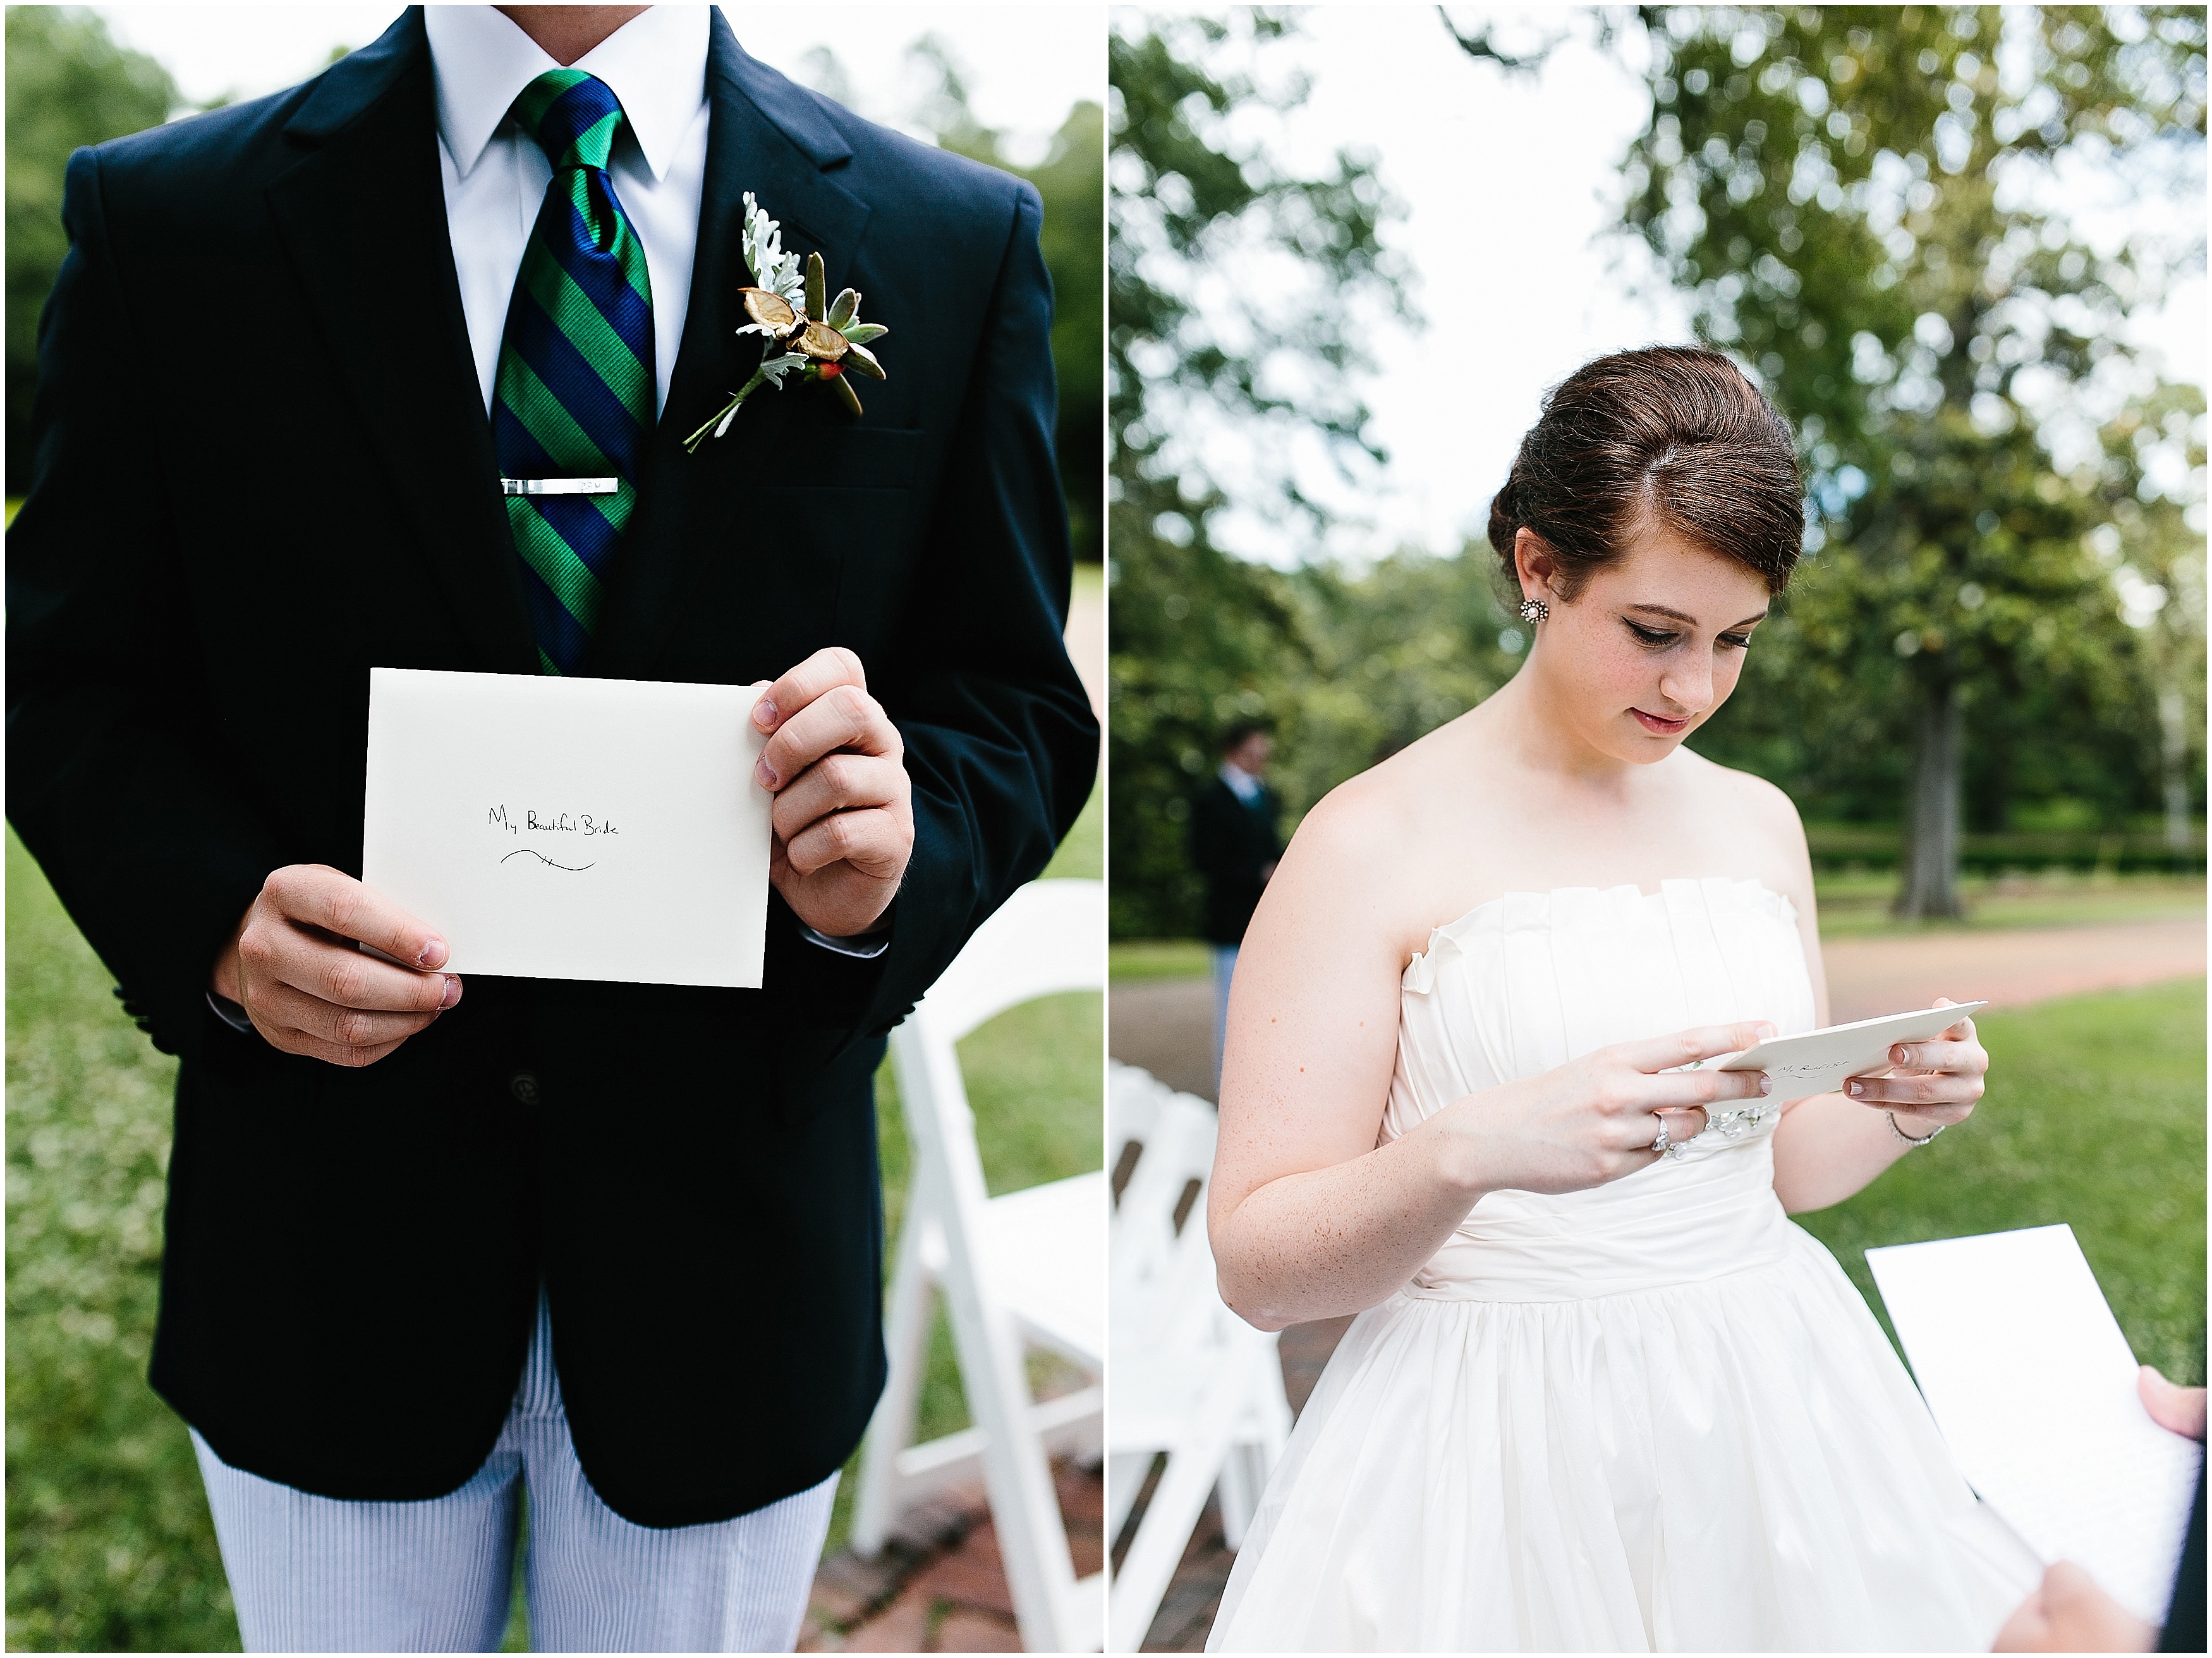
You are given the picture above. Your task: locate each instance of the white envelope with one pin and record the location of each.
(1817, 1061)
(2029, 1376)
(551, 828)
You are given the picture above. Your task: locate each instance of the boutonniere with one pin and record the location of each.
(807, 336)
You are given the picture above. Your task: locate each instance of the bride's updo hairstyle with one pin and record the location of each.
(1676, 432)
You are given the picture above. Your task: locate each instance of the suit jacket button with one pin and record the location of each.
(524, 1087)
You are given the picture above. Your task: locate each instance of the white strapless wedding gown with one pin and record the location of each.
(1651, 1416)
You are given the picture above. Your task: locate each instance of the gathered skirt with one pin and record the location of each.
(1740, 1463)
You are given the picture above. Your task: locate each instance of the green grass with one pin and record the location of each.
(2094, 1116)
(1131, 961)
(109, 1545)
(1857, 905)
(1083, 854)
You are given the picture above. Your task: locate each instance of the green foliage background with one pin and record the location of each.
(68, 84)
(1819, 181)
(1847, 199)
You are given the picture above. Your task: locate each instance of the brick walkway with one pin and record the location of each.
(941, 1587)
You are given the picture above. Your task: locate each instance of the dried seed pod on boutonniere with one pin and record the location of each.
(808, 334)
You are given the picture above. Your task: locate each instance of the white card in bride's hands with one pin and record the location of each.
(2034, 1385)
(551, 828)
(1817, 1061)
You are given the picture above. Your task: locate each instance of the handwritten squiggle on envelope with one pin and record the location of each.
(572, 868)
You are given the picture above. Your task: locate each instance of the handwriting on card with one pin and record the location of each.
(564, 826)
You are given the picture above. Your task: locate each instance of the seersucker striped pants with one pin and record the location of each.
(315, 1574)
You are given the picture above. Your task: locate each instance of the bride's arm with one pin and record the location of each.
(1831, 1146)
(1307, 1216)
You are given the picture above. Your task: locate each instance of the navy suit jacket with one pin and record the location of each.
(263, 467)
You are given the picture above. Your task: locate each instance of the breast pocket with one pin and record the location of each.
(826, 455)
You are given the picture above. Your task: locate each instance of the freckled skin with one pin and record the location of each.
(1554, 781)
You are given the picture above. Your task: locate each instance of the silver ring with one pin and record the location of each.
(1660, 1145)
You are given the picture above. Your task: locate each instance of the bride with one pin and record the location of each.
(1601, 1393)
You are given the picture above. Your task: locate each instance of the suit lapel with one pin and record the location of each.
(769, 138)
(363, 216)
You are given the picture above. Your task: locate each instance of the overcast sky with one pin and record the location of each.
(1025, 65)
(1509, 181)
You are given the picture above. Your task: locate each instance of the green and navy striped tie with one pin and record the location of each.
(574, 398)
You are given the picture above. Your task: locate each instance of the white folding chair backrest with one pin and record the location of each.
(1049, 938)
(1133, 1098)
(1195, 1382)
(1161, 1277)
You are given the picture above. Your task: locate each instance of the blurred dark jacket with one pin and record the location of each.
(2185, 1616)
(1232, 844)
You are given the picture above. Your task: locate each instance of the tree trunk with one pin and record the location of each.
(1930, 887)
(2174, 748)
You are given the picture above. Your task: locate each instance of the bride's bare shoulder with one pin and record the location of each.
(1757, 822)
(1377, 850)
(1393, 803)
(1766, 803)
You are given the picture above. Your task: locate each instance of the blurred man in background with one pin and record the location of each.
(1235, 846)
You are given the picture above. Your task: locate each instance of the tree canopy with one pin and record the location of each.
(69, 84)
(1200, 639)
(1869, 209)
(1866, 207)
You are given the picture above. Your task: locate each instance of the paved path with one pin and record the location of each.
(1867, 977)
(1166, 1025)
(941, 1586)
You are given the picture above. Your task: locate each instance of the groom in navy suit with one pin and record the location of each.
(615, 1245)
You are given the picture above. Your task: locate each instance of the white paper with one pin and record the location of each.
(551, 828)
(1818, 1061)
(2033, 1385)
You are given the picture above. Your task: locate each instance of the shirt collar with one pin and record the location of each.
(655, 63)
(1242, 782)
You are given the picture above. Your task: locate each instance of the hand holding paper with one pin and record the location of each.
(296, 967)
(2029, 1375)
(844, 812)
(1935, 1082)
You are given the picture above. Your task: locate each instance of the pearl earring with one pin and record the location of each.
(1535, 609)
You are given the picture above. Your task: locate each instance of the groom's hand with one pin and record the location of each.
(295, 966)
(844, 809)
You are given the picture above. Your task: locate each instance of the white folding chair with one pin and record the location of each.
(1026, 1266)
(1190, 1378)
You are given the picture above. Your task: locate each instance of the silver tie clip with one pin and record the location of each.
(559, 486)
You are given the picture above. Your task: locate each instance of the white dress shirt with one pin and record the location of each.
(496, 174)
(1242, 784)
